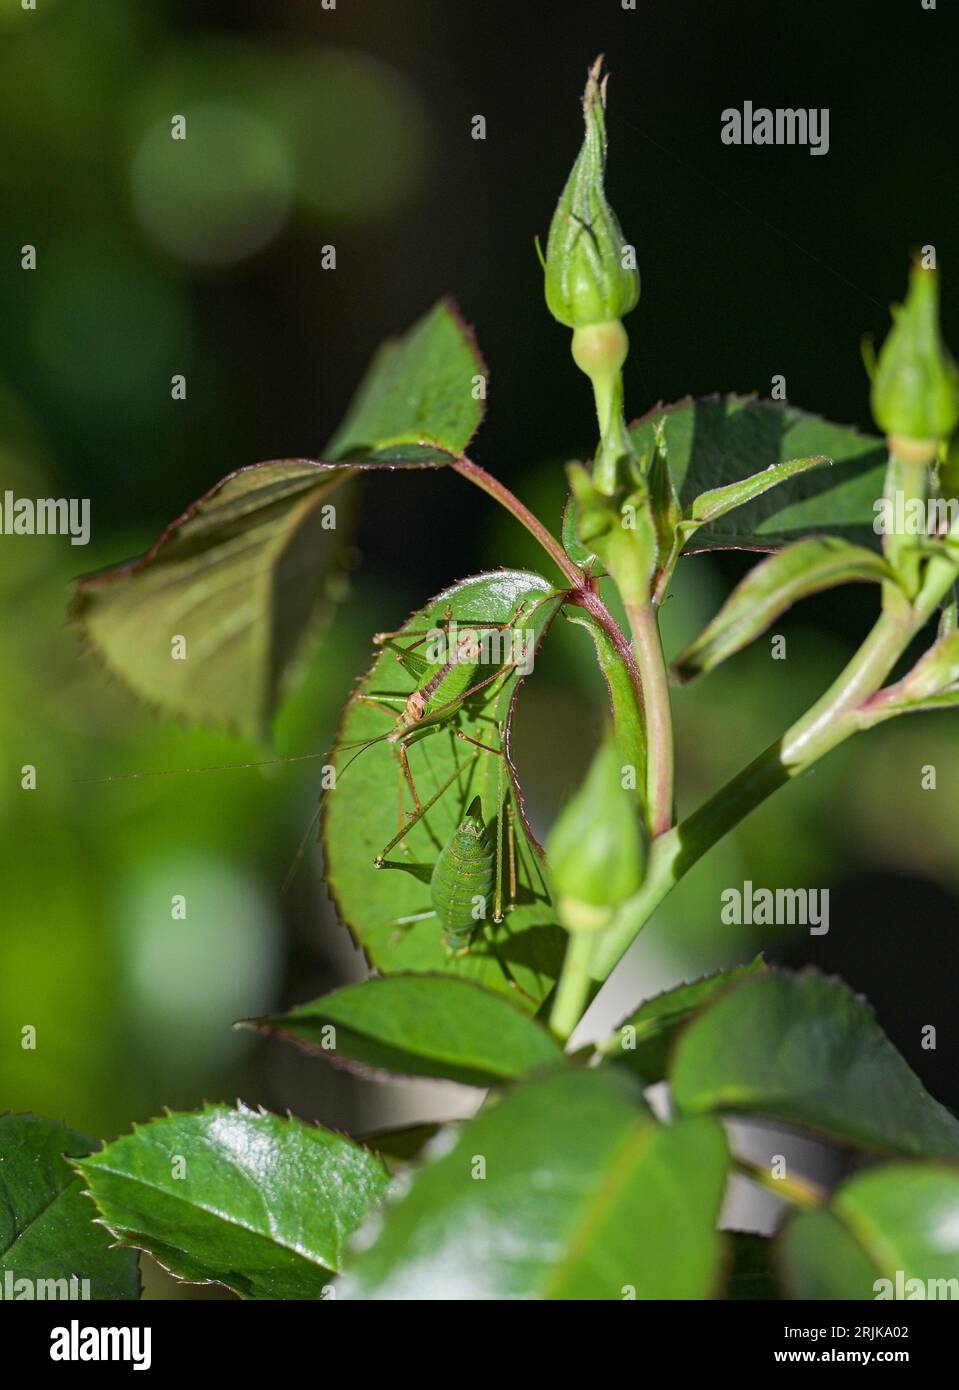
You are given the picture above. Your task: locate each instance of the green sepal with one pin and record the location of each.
(933, 683)
(665, 509)
(619, 530)
(936, 670)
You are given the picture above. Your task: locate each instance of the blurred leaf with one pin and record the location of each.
(240, 577)
(818, 1258)
(242, 574)
(261, 1204)
(389, 910)
(657, 1022)
(585, 1196)
(806, 1050)
(47, 1228)
(422, 1025)
(402, 1145)
(899, 1222)
(418, 393)
(804, 568)
(719, 440)
(750, 1276)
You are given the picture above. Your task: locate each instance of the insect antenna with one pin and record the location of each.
(297, 859)
(361, 745)
(184, 771)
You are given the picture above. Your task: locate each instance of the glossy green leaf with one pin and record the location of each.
(389, 910)
(239, 1197)
(420, 398)
(583, 1195)
(645, 1039)
(889, 1233)
(806, 1050)
(422, 1025)
(775, 584)
(209, 623)
(721, 440)
(47, 1228)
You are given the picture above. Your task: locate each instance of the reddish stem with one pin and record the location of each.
(468, 469)
(583, 591)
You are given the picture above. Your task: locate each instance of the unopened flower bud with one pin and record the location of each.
(590, 269)
(915, 391)
(597, 849)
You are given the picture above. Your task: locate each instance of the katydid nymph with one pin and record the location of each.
(469, 869)
(462, 878)
(467, 876)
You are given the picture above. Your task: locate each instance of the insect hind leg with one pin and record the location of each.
(418, 815)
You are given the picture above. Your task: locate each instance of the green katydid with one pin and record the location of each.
(462, 673)
(393, 913)
(464, 669)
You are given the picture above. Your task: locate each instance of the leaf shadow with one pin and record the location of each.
(539, 948)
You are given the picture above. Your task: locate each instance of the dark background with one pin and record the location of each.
(755, 262)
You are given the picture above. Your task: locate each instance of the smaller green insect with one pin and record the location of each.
(474, 871)
(463, 879)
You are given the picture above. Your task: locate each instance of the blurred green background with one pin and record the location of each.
(352, 128)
